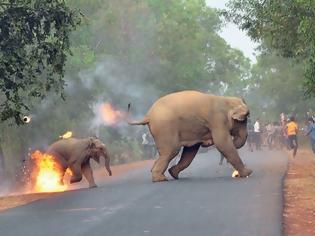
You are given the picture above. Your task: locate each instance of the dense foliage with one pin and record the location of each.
(275, 87)
(285, 26)
(34, 43)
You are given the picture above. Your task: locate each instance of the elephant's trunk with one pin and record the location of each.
(107, 161)
(240, 136)
(107, 166)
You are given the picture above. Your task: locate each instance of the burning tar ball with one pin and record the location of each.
(27, 119)
(235, 174)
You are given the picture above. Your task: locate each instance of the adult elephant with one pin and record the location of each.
(191, 119)
(76, 154)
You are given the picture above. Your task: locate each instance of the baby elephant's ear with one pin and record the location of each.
(239, 113)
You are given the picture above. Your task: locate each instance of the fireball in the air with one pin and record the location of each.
(27, 119)
(68, 134)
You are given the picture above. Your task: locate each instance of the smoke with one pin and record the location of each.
(119, 83)
(5, 185)
(120, 80)
(106, 115)
(127, 76)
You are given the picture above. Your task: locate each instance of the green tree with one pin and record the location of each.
(34, 43)
(276, 87)
(285, 26)
(189, 50)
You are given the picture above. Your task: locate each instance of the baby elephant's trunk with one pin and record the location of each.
(107, 161)
(107, 166)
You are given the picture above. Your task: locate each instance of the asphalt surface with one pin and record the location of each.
(205, 201)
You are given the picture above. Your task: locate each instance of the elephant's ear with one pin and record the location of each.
(239, 113)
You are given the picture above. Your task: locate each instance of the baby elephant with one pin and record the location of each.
(75, 154)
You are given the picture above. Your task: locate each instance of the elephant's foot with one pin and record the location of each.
(173, 172)
(75, 179)
(245, 172)
(158, 178)
(93, 186)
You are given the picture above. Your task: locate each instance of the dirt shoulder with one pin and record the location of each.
(299, 195)
(7, 202)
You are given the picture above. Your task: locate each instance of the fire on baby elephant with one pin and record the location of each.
(46, 173)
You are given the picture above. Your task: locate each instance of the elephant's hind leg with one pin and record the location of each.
(187, 157)
(88, 174)
(166, 138)
(161, 165)
(62, 174)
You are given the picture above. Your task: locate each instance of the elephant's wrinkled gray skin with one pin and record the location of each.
(76, 153)
(191, 119)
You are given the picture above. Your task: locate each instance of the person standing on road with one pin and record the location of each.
(152, 148)
(278, 136)
(146, 147)
(291, 130)
(270, 129)
(284, 136)
(257, 134)
(311, 132)
(250, 136)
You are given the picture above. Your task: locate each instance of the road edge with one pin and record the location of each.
(16, 200)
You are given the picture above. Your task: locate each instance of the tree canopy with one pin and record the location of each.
(285, 26)
(34, 44)
(275, 86)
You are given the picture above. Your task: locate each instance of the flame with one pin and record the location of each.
(46, 173)
(109, 114)
(68, 172)
(68, 134)
(235, 174)
(27, 119)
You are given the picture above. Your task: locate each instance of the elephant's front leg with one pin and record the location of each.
(187, 157)
(76, 172)
(223, 141)
(88, 174)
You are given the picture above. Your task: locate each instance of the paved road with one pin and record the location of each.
(205, 201)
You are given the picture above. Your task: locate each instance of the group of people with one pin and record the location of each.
(254, 135)
(279, 134)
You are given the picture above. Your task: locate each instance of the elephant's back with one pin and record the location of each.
(63, 142)
(185, 111)
(180, 103)
(62, 147)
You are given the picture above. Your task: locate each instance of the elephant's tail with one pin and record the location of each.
(145, 121)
